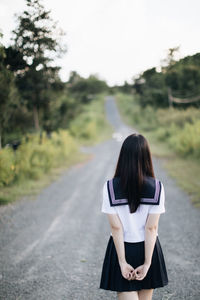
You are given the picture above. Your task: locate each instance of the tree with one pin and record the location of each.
(184, 76)
(181, 77)
(84, 89)
(73, 78)
(36, 40)
(9, 99)
(150, 86)
(170, 60)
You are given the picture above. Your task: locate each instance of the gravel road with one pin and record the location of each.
(52, 247)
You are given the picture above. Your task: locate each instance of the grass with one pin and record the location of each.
(184, 170)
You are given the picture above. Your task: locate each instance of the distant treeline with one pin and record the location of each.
(32, 95)
(180, 78)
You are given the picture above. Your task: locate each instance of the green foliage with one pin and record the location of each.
(125, 88)
(187, 140)
(39, 154)
(9, 98)
(36, 156)
(163, 133)
(33, 98)
(7, 166)
(64, 145)
(182, 77)
(151, 89)
(90, 124)
(36, 41)
(29, 80)
(180, 129)
(84, 127)
(60, 112)
(85, 89)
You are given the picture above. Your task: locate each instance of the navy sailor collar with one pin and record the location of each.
(150, 193)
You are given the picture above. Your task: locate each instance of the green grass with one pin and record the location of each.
(184, 169)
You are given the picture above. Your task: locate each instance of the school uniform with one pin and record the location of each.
(151, 202)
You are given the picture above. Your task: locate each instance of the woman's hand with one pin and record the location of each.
(127, 271)
(141, 271)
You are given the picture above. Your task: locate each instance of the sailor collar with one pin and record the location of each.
(150, 193)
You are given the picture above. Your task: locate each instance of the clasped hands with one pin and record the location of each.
(129, 273)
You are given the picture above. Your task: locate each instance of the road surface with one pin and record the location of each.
(52, 247)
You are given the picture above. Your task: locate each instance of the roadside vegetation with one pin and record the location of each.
(43, 120)
(164, 104)
(22, 170)
(91, 126)
(40, 157)
(173, 134)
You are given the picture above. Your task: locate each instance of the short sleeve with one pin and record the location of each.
(106, 207)
(159, 209)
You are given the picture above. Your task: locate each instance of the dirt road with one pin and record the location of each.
(52, 247)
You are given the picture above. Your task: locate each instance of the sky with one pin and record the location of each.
(116, 39)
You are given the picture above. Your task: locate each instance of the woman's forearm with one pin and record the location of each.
(118, 239)
(150, 239)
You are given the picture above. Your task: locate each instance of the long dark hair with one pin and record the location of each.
(134, 164)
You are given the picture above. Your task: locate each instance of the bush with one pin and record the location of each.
(177, 116)
(84, 127)
(90, 124)
(164, 133)
(7, 166)
(180, 128)
(187, 141)
(36, 156)
(61, 146)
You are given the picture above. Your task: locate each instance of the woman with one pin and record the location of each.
(133, 200)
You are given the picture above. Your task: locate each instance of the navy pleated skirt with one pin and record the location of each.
(112, 279)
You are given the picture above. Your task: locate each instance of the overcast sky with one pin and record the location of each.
(117, 39)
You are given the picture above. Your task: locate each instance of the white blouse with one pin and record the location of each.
(133, 224)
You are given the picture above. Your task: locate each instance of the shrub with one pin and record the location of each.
(164, 133)
(177, 116)
(180, 128)
(7, 166)
(90, 123)
(187, 140)
(36, 156)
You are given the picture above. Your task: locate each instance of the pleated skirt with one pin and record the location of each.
(112, 279)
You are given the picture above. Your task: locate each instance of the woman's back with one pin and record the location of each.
(133, 200)
(133, 223)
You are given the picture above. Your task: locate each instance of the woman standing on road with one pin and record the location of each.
(133, 200)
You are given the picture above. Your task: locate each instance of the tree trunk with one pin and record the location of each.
(36, 118)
